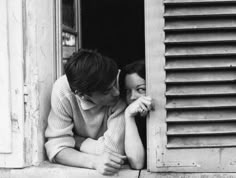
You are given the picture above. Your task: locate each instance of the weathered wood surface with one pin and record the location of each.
(192, 80)
(145, 174)
(5, 126)
(13, 67)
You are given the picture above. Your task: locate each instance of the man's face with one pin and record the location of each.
(106, 98)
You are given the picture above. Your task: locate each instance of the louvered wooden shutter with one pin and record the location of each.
(197, 131)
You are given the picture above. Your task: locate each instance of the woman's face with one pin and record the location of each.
(135, 87)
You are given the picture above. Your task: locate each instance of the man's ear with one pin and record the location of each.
(81, 95)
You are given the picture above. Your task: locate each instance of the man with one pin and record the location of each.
(86, 121)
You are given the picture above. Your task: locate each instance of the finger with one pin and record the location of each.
(111, 169)
(147, 98)
(119, 155)
(143, 114)
(114, 165)
(108, 173)
(152, 107)
(148, 105)
(116, 159)
(143, 107)
(145, 101)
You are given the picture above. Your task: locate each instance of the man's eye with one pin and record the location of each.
(106, 92)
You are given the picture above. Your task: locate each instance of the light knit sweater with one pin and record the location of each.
(96, 128)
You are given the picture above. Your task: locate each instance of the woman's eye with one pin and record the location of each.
(141, 90)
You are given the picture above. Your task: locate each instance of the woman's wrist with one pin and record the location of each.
(128, 114)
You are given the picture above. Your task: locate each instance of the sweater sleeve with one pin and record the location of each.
(59, 130)
(113, 138)
(115, 134)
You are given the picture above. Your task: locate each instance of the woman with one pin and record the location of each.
(133, 89)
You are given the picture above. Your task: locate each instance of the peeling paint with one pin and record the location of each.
(15, 123)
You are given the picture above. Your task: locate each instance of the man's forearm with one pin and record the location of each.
(106, 163)
(72, 157)
(92, 146)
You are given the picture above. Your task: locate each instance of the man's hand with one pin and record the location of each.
(109, 163)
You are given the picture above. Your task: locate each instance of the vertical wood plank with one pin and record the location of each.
(155, 77)
(40, 73)
(5, 120)
(15, 61)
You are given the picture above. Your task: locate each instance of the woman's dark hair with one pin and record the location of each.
(88, 71)
(135, 67)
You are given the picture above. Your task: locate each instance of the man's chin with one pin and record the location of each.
(113, 102)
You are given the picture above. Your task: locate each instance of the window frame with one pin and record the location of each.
(59, 28)
(155, 75)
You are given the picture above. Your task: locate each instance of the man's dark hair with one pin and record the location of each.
(137, 67)
(88, 71)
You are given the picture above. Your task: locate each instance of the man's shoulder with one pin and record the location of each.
(119, 106)
(61, 87)
(61, 81)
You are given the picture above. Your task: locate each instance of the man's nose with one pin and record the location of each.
(115, 91)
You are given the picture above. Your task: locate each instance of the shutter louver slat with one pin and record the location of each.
(201, 76)
(200, 37)
(201, 11)
(206, 23)
(201, 115)
(201, 90)
(194, 63)
(200, 50)
(200, 73)
(201, 128)
(202, 141)
(201, 102)
(193, 2)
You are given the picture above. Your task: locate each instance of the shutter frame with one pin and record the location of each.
(14, 39)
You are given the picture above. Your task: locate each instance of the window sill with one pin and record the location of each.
(49, 170)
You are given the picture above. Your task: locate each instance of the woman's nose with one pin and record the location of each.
(134, 96)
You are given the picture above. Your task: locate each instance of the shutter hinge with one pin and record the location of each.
(26, 93)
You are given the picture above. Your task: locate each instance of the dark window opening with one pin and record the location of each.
(68, 16)
(115, 28)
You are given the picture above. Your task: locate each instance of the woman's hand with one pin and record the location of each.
(142, 105)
